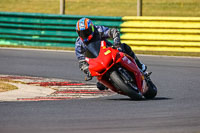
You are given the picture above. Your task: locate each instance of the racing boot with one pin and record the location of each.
(101, 87)
(142, 66)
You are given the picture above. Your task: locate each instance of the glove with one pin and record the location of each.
(115, 34)
(83, 65)
(117, 43)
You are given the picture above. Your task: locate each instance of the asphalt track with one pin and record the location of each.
(176, 109)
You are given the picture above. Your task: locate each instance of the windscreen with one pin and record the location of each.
(93, 49)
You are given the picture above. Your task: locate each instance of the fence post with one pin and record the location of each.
(62, 6)
(139, 7)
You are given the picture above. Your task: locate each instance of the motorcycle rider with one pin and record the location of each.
(88, 32)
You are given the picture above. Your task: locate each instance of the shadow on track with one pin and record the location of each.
(128, 99)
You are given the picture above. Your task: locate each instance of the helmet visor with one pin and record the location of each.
(84, 34)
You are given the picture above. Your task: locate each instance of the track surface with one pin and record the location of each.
(176, 108)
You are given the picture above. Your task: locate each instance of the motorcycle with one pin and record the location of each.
(118, 72)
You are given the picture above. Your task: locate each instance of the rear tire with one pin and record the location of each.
(119, 83)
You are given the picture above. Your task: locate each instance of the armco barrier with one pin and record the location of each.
(33, 29)
(175, 34)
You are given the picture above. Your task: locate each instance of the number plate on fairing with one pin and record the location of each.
(107, 52)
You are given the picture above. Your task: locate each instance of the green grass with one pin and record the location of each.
(106, 7)
(6, 86)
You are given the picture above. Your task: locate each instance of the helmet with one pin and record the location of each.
(85, 29)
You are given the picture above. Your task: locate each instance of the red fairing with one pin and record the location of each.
(106, 59)
(128, 63)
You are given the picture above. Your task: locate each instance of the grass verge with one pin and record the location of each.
(188, 8)
(6, 86)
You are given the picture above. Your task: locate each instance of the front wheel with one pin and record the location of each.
(152, 91)
(120, 84)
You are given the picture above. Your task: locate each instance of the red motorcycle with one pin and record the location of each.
(118, 72)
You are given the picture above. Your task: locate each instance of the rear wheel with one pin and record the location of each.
(120, 84)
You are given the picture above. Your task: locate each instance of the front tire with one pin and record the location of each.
(120, 84)
(152, 91)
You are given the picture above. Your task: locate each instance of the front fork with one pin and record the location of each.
(146, 81)
(131, 81)
(128, 79)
